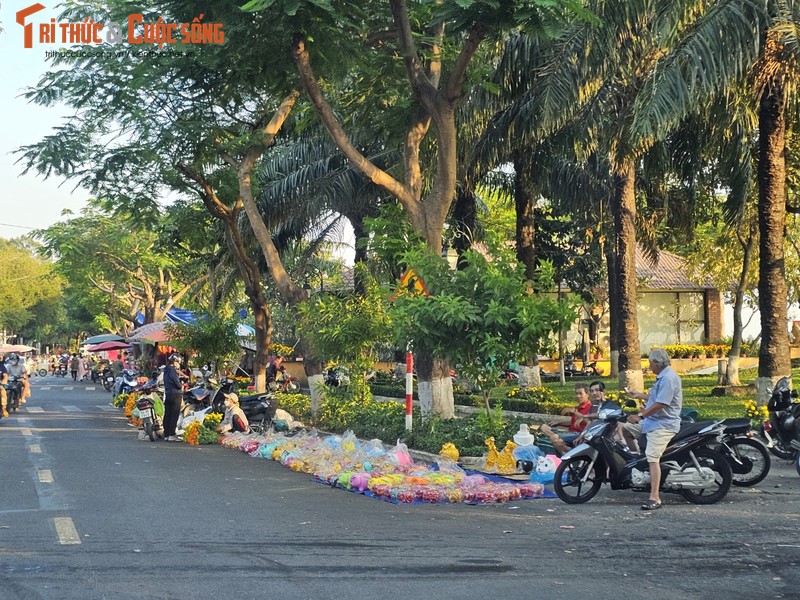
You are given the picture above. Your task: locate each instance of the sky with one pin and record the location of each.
(30, 202)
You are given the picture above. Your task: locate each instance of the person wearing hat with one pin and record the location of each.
(234, 419)
(173, 394)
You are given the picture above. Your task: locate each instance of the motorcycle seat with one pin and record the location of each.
(199, 393)
(689, 429)
(737, 426)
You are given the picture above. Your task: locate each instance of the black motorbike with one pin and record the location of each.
(107, 378)
(783, 424)
(748, 457)
(258, 408)
(61, 369)
(14, 388)
(689, 466)
(337, 375)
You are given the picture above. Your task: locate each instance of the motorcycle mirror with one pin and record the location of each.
(793, 394)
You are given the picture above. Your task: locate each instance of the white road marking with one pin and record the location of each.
(106, 407)
(69, 387)
(34, 409)
(25, 431)
(46, 387)
(65, 529)
(45, 475)
(35, 449)
(72, 409)
(91, 389)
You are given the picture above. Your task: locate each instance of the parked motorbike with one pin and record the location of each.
(689, 466)
(127, 382)
(107, 378)
(148, 413)
(14, 388)
(571, 369)
(748, 456)
(336, 376)
(783, 424)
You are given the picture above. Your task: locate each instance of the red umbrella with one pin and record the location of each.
(108, 346)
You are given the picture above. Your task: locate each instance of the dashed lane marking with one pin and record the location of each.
(69, 387)
(65, 529)
(45, 475)
(107, 408)
(46, 387)
(34, 409)
(72, 409)
(35, 449)
(25, 431)
(91, 389)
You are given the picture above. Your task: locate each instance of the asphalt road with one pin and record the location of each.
(87, 511)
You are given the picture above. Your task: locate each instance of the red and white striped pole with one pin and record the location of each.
(409, 388)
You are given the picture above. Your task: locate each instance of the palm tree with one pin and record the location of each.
(760, 47)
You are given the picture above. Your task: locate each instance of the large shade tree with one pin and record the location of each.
(436, 45)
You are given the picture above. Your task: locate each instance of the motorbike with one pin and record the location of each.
(284, 382)
(783, 424)
(572, 370)
(107, 378)
(127, 382)
(336, 376)
(14, 390)
(148, 413)
(747, 456)
(689, 466)
(61, 369)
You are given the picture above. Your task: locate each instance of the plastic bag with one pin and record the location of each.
(531, 453)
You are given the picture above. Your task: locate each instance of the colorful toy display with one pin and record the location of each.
(371, 469)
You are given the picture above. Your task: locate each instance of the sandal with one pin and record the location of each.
(651, 505)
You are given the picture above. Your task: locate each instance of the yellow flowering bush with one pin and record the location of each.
(212, 420)
(130, 404)
(755, 412)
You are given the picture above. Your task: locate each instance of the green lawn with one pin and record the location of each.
(696, 393)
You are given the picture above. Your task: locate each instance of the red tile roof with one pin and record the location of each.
(668, 273)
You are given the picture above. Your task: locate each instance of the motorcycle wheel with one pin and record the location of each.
(781, 451)
(42, 372)
(148, 429)
(568, 481)
(291, 386)
(749, 463)
(797, 464)
(722, 478)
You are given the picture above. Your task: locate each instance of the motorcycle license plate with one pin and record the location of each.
(146, 413)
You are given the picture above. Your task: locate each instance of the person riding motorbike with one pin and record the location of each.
(16, 368)
(272, 371)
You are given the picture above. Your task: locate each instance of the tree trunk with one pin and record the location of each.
(525, 196)
(610, 251)
(465, 220)
(624, 209)
(732, 372)
(773, 357)
(435, 387)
